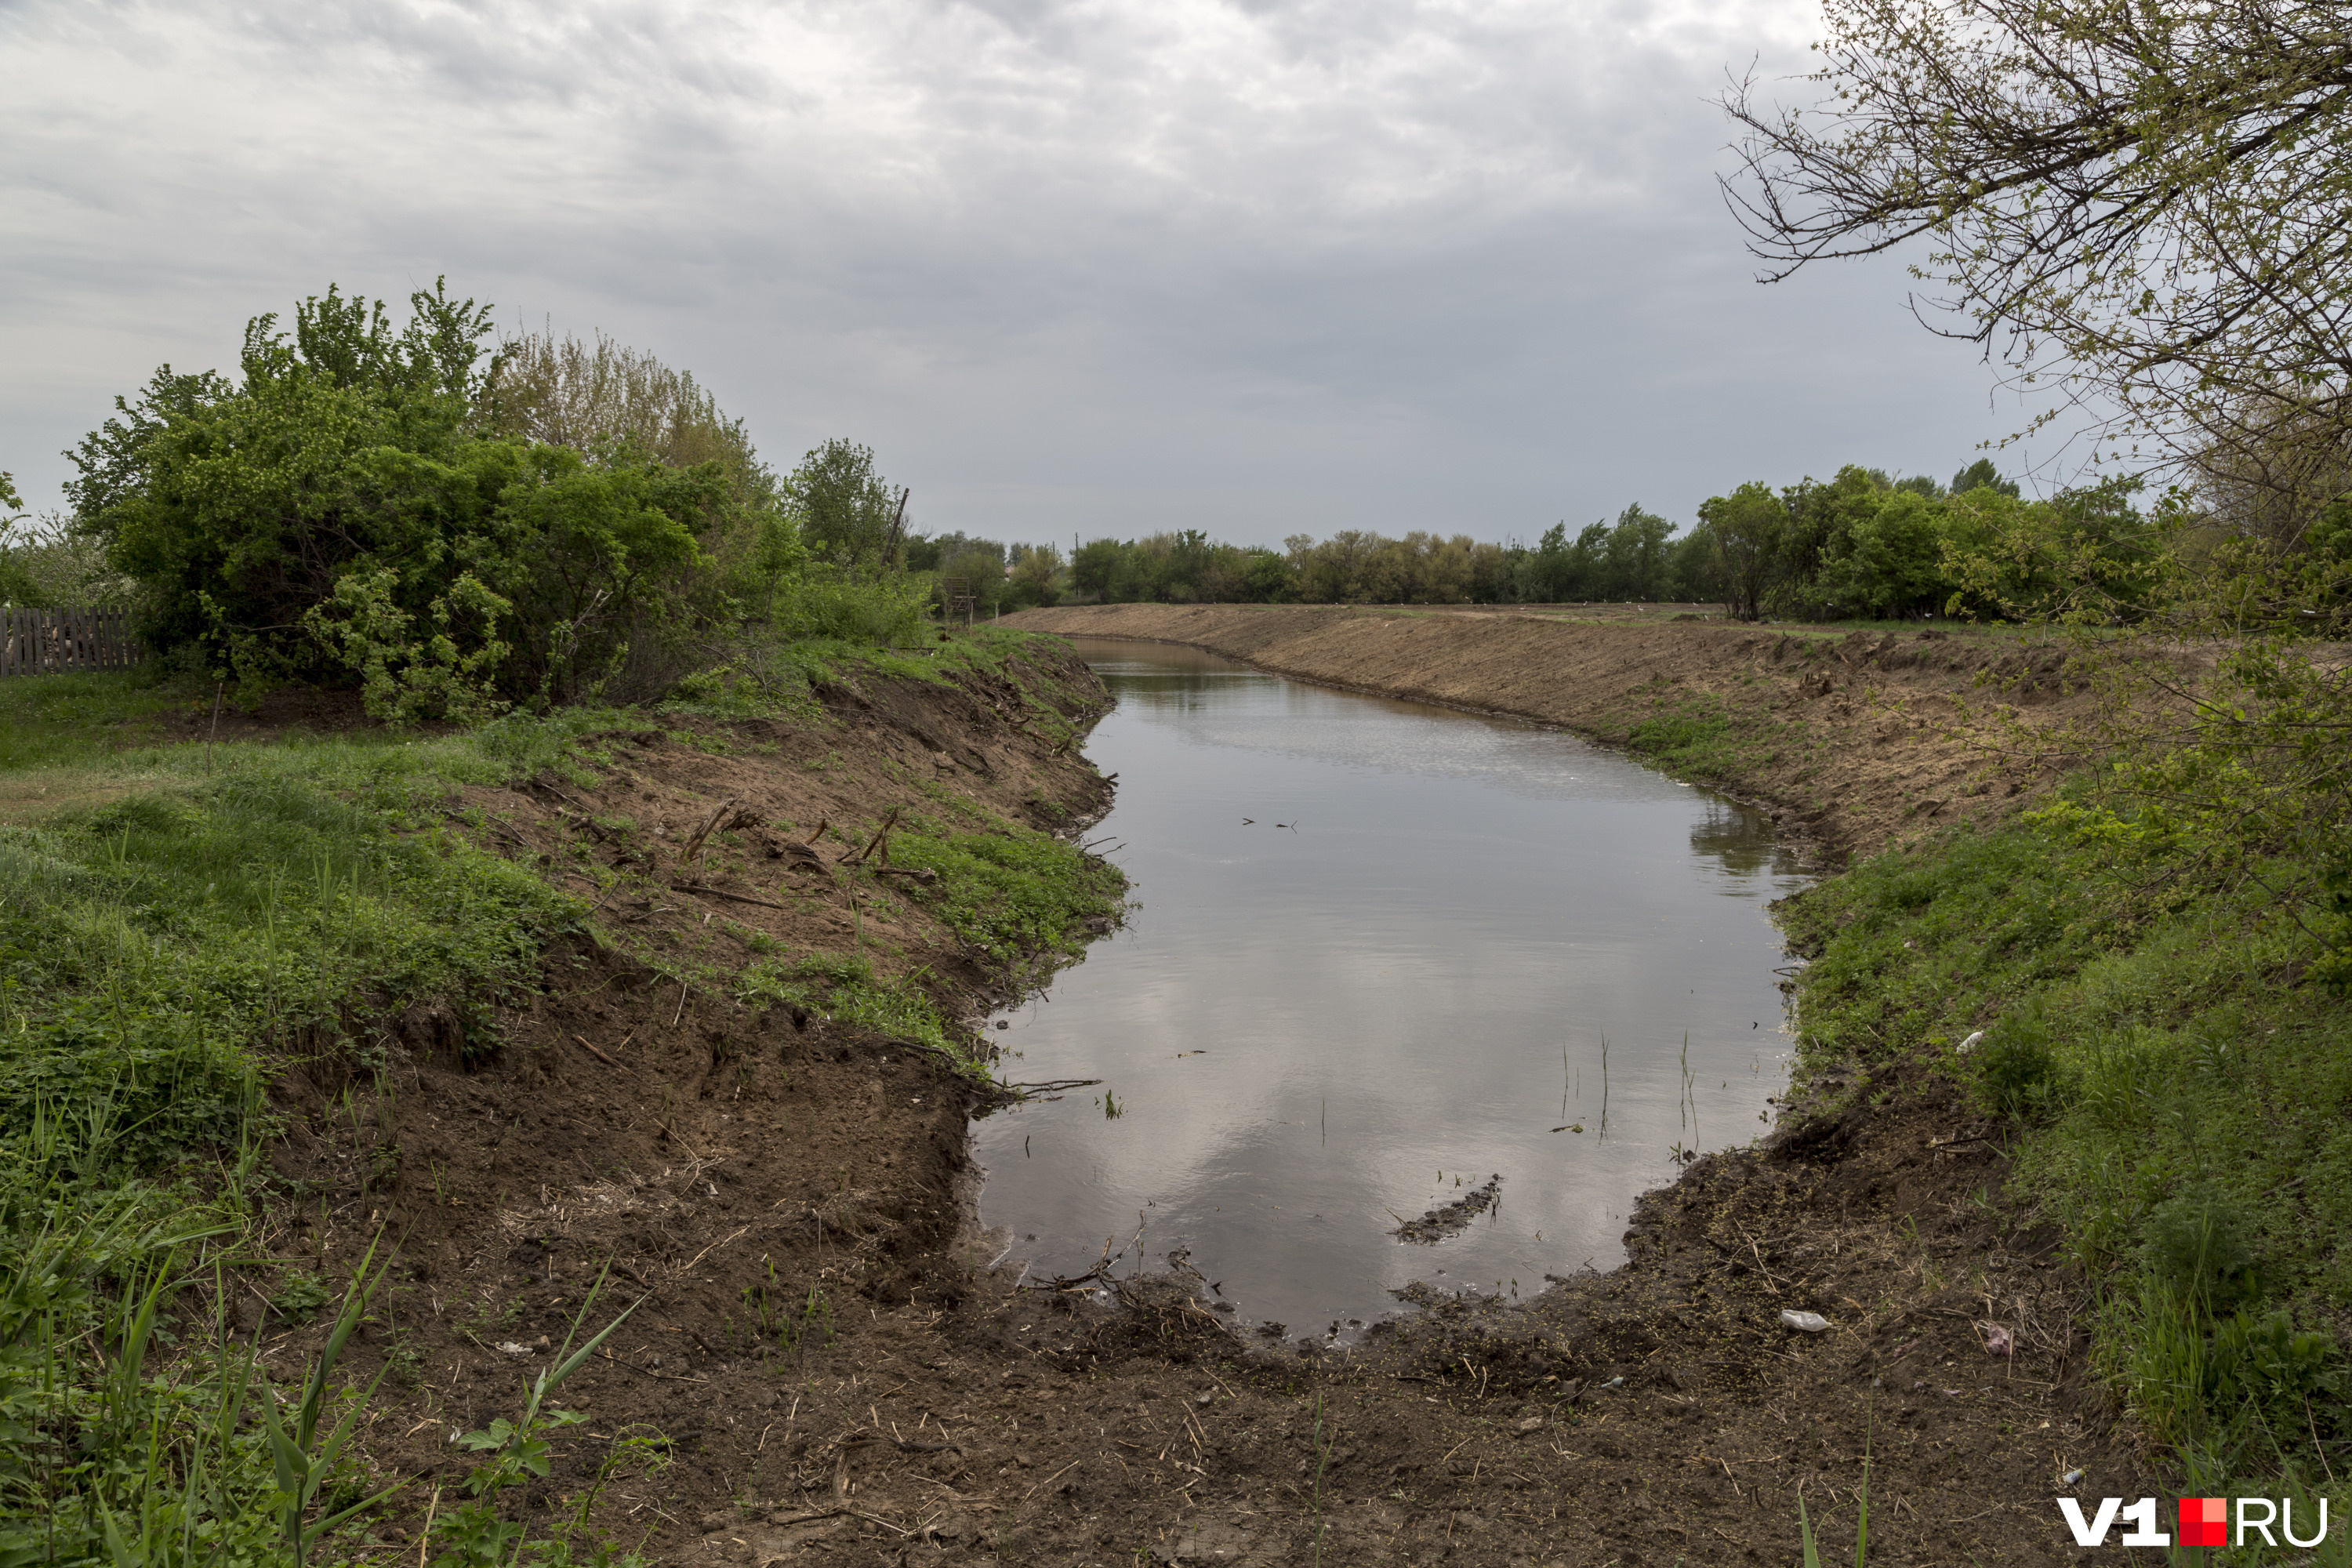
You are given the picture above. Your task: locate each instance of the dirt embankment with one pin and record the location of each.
(1853, 740)
(832, 1370)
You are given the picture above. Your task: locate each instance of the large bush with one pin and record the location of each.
(385, 507)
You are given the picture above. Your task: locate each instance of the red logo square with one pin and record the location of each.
(2204, 1522)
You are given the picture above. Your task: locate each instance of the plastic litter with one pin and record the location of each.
(1805, 1322)
(1997, 1341)
(2072, 1478)
(1965, 1046)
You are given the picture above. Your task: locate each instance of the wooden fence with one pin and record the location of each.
(45, 642)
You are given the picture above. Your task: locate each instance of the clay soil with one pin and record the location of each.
(832, 1369)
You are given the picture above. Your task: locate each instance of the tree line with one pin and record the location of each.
(1860, 545)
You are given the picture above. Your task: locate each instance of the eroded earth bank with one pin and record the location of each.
(826, 1368)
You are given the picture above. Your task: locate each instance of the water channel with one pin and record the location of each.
(1383, 952)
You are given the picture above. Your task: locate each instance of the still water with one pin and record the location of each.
(1376, 951)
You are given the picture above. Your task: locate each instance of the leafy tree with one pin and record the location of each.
(1036, 576)
(1094, 568)
(240, 506)
(616, 404)
(1746, 526)
(1265, 576)
(1633, 562)
(1560, 571)
(1982, 475)
(17, 586)
(2153, 201)
(848, 517)
(1694, 571)
(1820, 517)
(1886, 563)
(2086, 556)
(1332, 571)
(595, 397)
(980, 564)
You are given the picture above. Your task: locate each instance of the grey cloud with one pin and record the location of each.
(1103, 267)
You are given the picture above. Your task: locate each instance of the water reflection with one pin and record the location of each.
(1740, 837)
(1383, 952)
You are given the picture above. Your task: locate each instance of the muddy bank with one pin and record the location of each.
(826, 1368)
(1853, 740)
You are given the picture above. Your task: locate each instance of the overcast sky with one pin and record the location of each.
(1107, 267)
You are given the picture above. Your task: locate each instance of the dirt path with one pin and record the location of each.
(1854, 741)
(827, 1368)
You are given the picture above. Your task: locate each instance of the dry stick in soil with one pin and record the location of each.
(601, 1056)
(881, 840)
(213, 733)
(723, 811)
(710, 892)
(1759, 1254)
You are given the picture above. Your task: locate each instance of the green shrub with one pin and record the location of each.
(1022, 899)
(348, 511)
(2016, 1071)
(882, 611)
(2266, 1366)
(2200, 1245)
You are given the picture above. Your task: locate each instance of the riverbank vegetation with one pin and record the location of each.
(2145, 977)
(2170, 1079)
(377, 570)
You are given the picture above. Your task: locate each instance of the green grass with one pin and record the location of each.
(1019, 897)
(1704, 737)
(169, 937)
(49, 719)
(2178, 1098)
(176, 928)
(848, 989)
(1023, 902)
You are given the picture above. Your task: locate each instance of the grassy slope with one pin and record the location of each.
(2177, 1103)
(174, 926)
(2178, 1100)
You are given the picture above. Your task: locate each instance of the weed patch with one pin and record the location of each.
(1703, 737)
(1027, 901)
(2177, 1098)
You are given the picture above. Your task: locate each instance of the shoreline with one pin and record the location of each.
(1853, 742)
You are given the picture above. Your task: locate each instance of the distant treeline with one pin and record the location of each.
(1862, 545)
